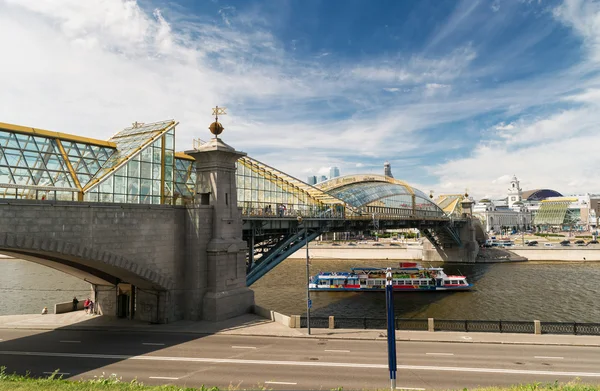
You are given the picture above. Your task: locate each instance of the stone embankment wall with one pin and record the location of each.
(415, 253)
(570, 253)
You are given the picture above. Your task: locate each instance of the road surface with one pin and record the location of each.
(288, 363)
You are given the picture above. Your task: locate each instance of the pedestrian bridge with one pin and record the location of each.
(184, 234)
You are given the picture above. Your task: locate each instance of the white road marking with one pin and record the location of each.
(243, 347)
(280, 382)
(337, 351)
(70, 341)
(298, 363)
(440, 354)
(164, 378)
(58, 373)
(153, 344)
(408, 388)
(550, 357)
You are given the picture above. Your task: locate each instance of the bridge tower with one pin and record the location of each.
(216, 251)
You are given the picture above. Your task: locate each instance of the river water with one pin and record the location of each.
(548, 291)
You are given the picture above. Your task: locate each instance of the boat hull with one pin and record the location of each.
(396, 289)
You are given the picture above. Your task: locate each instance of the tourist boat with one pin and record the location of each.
(406, 277)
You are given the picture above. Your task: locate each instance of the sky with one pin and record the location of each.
(454, 94)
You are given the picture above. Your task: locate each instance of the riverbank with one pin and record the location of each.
(414, 252)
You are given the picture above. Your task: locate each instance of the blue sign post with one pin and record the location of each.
(391, 327)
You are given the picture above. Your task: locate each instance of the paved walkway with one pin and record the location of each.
(253, 325)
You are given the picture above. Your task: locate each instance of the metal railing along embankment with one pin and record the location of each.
(480, 326)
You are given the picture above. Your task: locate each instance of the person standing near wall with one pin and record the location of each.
(75, 302)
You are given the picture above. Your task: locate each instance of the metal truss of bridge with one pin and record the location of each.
(139, 165)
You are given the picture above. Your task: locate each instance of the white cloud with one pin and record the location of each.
(502, 126)
(559, 152)
(391, 89)
(435, 86)
(359, 165)
(583, 17)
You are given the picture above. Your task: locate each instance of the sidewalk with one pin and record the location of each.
(253, 325)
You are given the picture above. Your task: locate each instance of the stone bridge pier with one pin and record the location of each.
(471, 234)
(156, 263)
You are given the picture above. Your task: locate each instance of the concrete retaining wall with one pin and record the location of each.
(61, 308)
(274, 316)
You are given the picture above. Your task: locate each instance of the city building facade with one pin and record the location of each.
(334, 172)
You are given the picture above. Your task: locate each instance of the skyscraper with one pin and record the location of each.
(387, 169)
(312, 180)
(334, 172)
(323, 178)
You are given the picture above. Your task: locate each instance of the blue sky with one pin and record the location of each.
(455, 94)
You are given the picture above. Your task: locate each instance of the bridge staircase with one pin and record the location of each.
(273, 248)
(444, 236)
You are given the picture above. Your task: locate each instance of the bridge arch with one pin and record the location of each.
(90, 264)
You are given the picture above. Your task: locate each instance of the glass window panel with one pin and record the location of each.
(62, 179)
(92, 166)
(133, 199)
(13, 157)
(4, 137)
(74, 150)
(146, 154)
(29, 144)
(120, 185)
(156, 188)
(12, 142)
(53, 163)
(41, 178)
(107, 185)
(169, 140)
(133, 168)
(168, 173)
(21, 176)
(32, 159)
(145, 187)
(5, 176)
(106, 197)
(156, 171)
(22, 139)
(146, 170)
(158, 143)
(156, 155)
(83, 178)
(133, 186)
(120, 198)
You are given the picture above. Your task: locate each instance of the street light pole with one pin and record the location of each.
(308, 302)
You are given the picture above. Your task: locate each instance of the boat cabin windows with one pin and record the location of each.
(455, 282)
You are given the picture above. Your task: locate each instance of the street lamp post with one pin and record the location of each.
(308, 302)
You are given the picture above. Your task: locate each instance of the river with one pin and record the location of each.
(548, 291)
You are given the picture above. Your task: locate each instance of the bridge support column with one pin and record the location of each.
(467, 253)
(224, 258)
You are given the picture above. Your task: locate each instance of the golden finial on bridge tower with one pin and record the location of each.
(216, 128)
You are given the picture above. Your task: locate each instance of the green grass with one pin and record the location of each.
(10, 382)
(113, 383)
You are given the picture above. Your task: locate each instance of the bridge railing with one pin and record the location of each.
(264, 210)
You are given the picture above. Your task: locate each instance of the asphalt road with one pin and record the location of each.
(289, 363)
